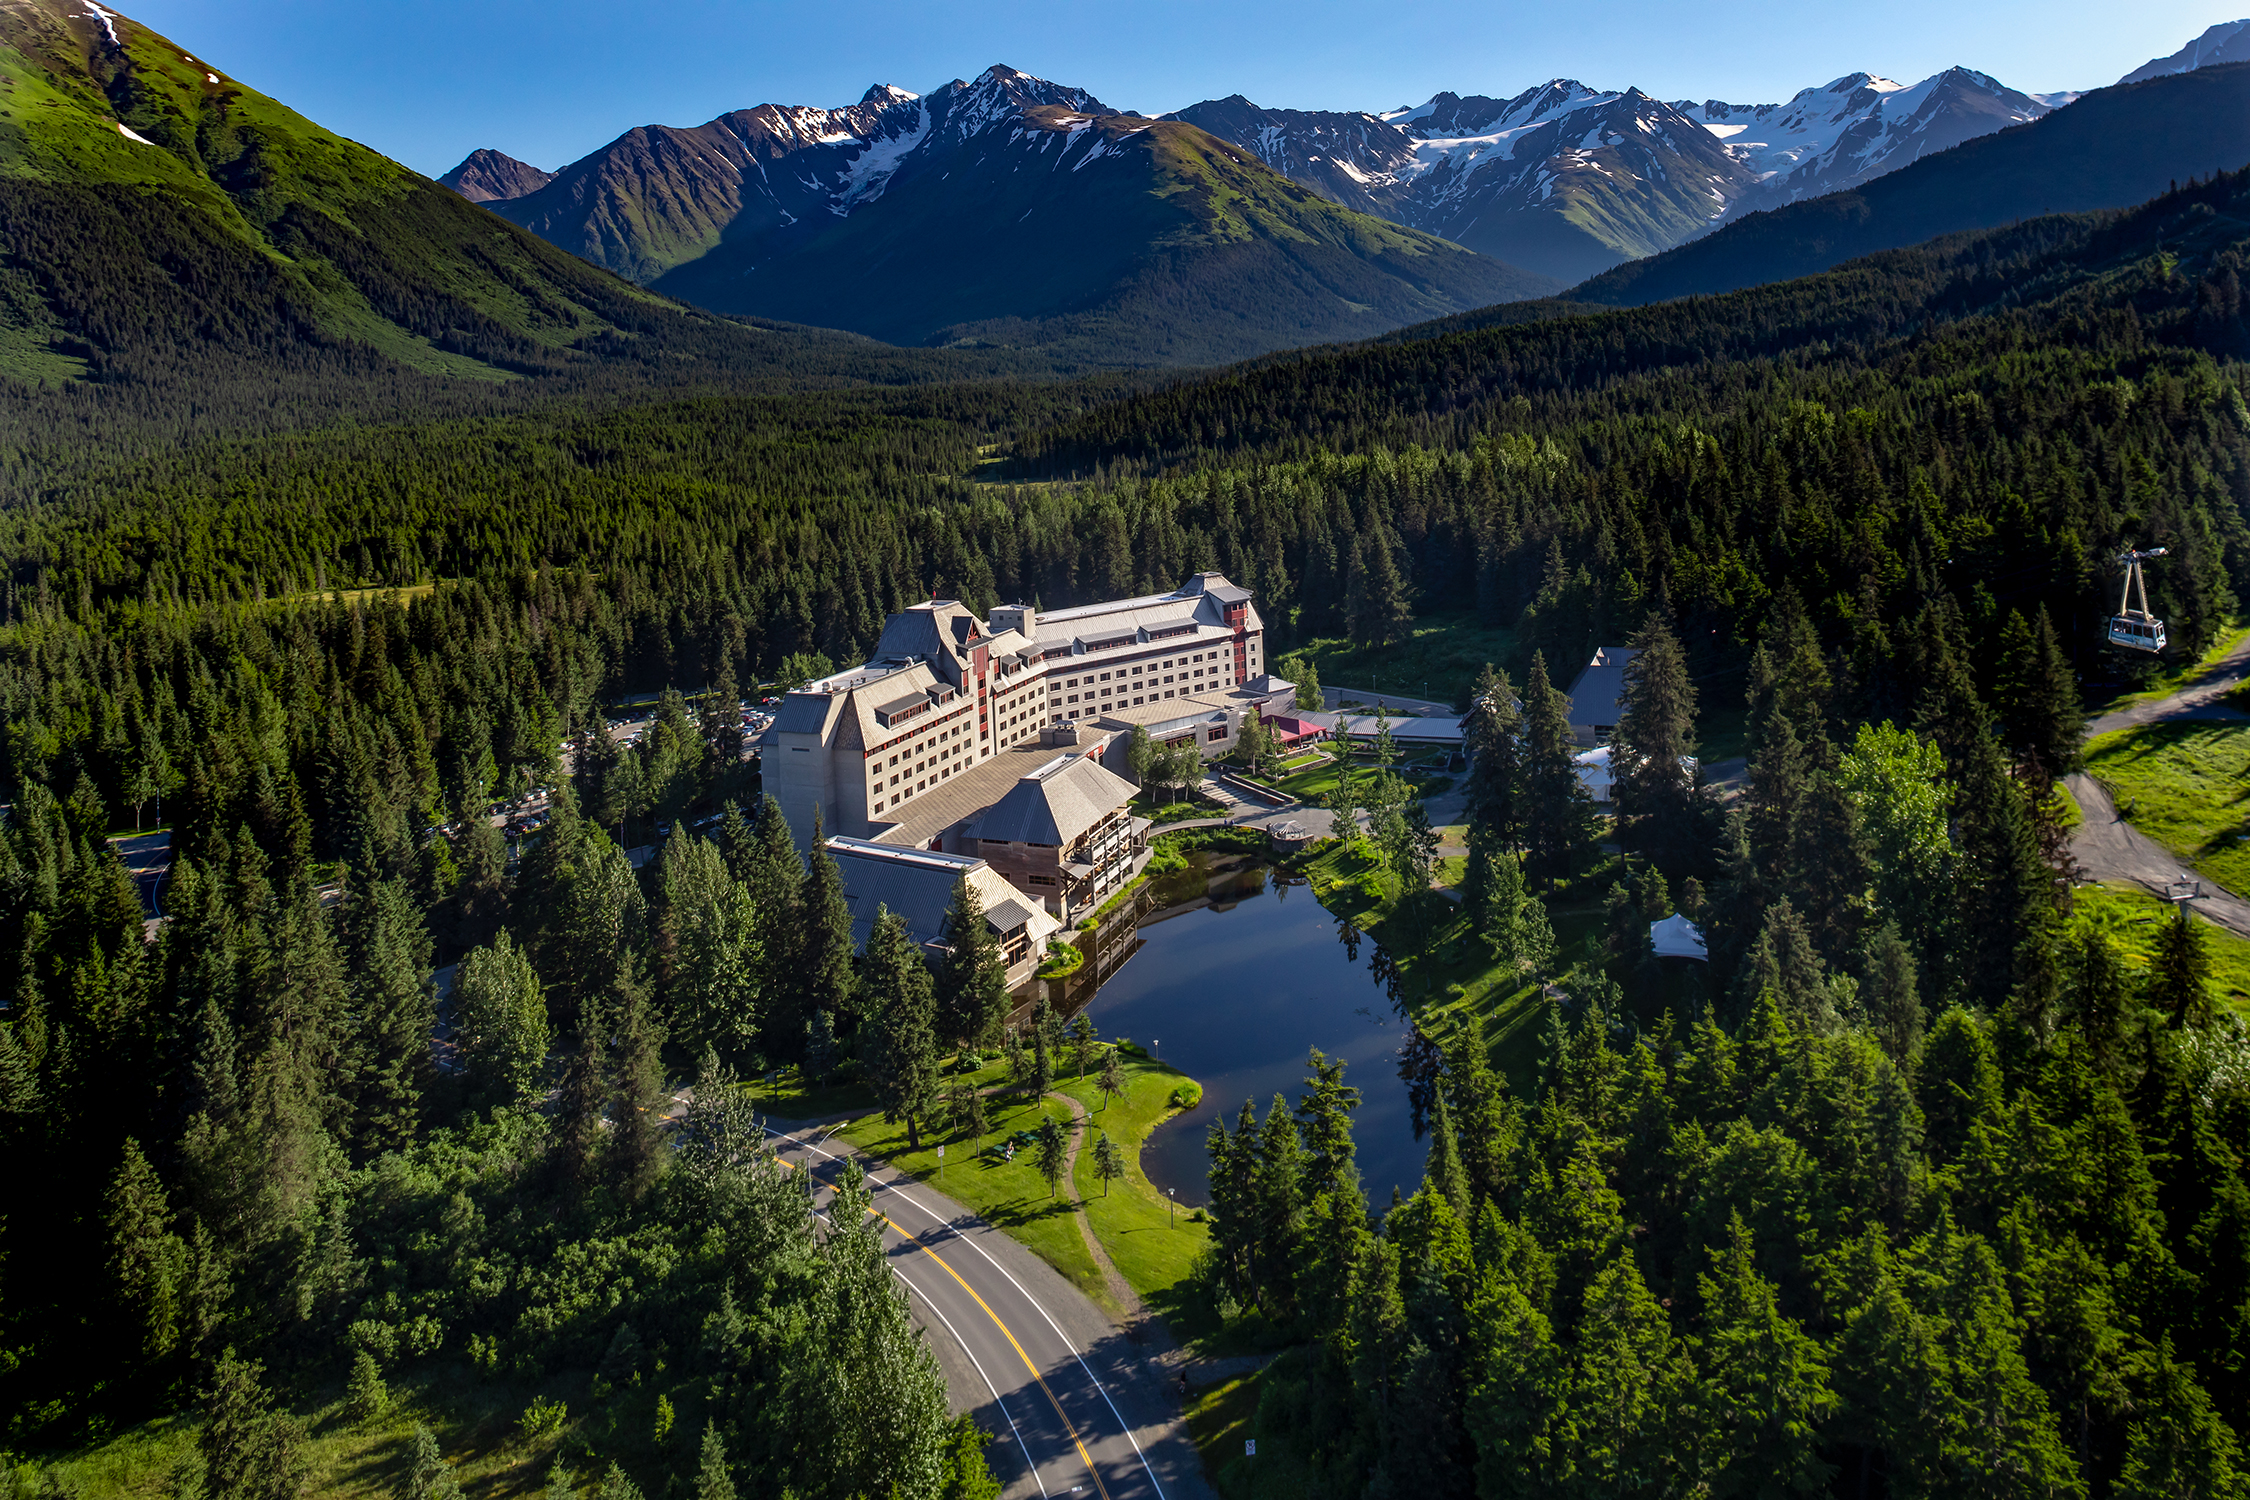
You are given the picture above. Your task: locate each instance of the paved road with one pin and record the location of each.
(2109, 848)
(1078, 1406)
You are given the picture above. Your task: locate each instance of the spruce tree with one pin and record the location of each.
(2179, 1445)
(1889, 993)
(2179, 979)
(428, 1475)
(1661, 808)
(713, 1480)
(390, 963)
(637, 1094)
(1764, 1396)
(1629, 1386)
(972, 982)
(1557, 811)
(1109, 1162)
(824, 976)
(147, 1261)
(2099, 1000)
(901, 1039)
(1444, 1171)
(2041, 715)
(249, 1451)
(500, 1021)
(1112, 1084)
(1049, 1151)
(1493, 737)
(763, 857)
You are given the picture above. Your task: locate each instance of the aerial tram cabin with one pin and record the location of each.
(2131, 628)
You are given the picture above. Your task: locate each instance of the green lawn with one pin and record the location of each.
(1011, 1195)
(2187, 786)
(1152, 1248)
(1440, 661)
(2130, 916)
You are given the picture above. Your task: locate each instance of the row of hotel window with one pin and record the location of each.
(1152, 679)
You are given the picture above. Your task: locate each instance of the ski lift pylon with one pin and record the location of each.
(2136, 629)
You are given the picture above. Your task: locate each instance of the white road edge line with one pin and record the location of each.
(931, 1303)
(1123, 1425)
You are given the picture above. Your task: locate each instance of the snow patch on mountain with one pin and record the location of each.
(872, 169)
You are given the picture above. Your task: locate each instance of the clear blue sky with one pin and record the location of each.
(549, 80)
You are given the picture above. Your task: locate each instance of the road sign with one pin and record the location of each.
(1249, 1447)
(941, 1153)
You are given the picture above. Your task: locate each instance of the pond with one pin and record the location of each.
(1231, 971)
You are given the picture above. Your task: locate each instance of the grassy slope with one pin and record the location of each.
(1152, 1248)
(341, 243)
(1439, 660)
(474, 1418)
(2129, 916)
(1011, 1195)
(2188, 788)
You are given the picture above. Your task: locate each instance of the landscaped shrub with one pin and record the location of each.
(1188, 1095)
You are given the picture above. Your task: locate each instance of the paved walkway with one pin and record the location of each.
(2109, 848)
(2197, 700)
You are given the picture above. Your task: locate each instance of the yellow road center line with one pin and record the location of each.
(916, 1242)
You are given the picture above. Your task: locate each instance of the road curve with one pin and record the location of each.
(1078, 1408)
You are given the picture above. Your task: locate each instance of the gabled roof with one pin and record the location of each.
(1594, 696)
(1056, 803)
(937, 631)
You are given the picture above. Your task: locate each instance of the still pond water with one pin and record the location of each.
(1232, 971)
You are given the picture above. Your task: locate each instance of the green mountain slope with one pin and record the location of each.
(2172, 267)
(2114, 147)
(1155, 243)
(163, 227)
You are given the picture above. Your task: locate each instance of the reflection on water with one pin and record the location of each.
(1232, 970)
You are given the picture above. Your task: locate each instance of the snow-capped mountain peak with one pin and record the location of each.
(1856, 127)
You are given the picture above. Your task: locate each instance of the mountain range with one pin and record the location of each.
(1003, 209)
(1563, 180)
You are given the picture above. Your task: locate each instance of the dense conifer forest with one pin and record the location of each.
(1924, 1200)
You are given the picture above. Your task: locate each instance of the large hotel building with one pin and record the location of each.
(1003, 739)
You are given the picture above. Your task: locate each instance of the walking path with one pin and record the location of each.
(2198, 699)
(2109, 848)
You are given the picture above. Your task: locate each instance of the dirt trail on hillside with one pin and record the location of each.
(2109, 848)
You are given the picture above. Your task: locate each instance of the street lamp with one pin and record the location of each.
(1172, 1206)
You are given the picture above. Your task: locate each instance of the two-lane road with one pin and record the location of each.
(1077, 1407)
